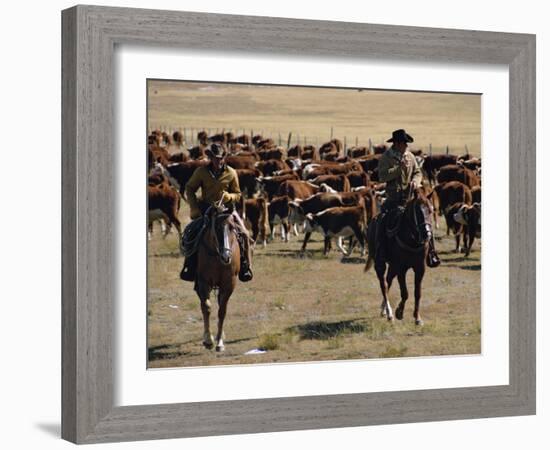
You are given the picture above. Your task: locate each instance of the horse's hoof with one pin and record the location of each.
(208, 345)
(220, 348)
(399, 313)
(390, 318)
(419, 322)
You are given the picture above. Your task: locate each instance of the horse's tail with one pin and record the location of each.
(371, 234)
(370, 262)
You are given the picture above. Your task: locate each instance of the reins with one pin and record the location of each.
(208, 249)
(415, 229)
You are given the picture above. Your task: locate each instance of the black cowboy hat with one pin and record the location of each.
(400, 136)
(215, 151)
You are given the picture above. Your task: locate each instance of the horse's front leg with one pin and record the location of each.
(223, 299)
(401, 278)
(385, 307)
(204, 295)
(418, 276)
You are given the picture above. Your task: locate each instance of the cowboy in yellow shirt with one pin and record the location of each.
(217, 181)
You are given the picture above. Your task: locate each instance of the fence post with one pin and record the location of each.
(370, 146)
(447, 149)
(289, 138)
(430, 149)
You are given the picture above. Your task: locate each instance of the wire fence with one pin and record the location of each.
(290, 138)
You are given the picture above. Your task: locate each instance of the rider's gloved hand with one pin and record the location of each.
(226, 197)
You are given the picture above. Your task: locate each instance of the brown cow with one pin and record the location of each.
(379, 149)
(464, 220)
(254, 213)
(298, 189)
(264, 144)
(339, 183)
(273, 153)
(272, 185)
(476, 194)
(241, 162)
(249, 182)
(451, 193)
(295, 151)
(270, 166)
(202, 137)
(357, 152)
(369, 163)
(279, 213)
(163, 201)
(447, 194)
(338, 222)
(358, 178)
(310, 152)
(197, 152)
(432, 163)
(454, 172)
(182, 172)
(299, 208)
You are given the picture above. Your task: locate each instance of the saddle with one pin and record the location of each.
(392, 220)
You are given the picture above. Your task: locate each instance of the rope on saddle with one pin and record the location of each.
(191, 237)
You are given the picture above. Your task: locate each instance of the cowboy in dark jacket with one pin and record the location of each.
(400, 171)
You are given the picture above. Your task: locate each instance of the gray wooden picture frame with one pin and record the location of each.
(90, 34)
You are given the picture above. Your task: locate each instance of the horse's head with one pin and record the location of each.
(419, 211)
(218, 233)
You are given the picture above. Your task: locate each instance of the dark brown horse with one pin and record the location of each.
(407, 248)
(218, 266)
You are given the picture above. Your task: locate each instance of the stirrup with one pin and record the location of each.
(245, 274)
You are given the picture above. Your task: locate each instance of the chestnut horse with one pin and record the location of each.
(407, 248)
(218, 265)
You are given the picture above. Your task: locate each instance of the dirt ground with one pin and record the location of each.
(312, 308)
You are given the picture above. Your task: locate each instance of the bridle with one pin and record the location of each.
(224, 252)
(411, 218)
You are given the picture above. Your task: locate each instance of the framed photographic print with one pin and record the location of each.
(239, 193)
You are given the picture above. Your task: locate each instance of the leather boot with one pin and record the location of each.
(245, 273)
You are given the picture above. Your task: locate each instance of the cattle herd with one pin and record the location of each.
(306, 189)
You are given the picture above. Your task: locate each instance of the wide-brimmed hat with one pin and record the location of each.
(400, 136)
(215, 151)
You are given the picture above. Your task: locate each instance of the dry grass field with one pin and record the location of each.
(314, 308)
(439, 119)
